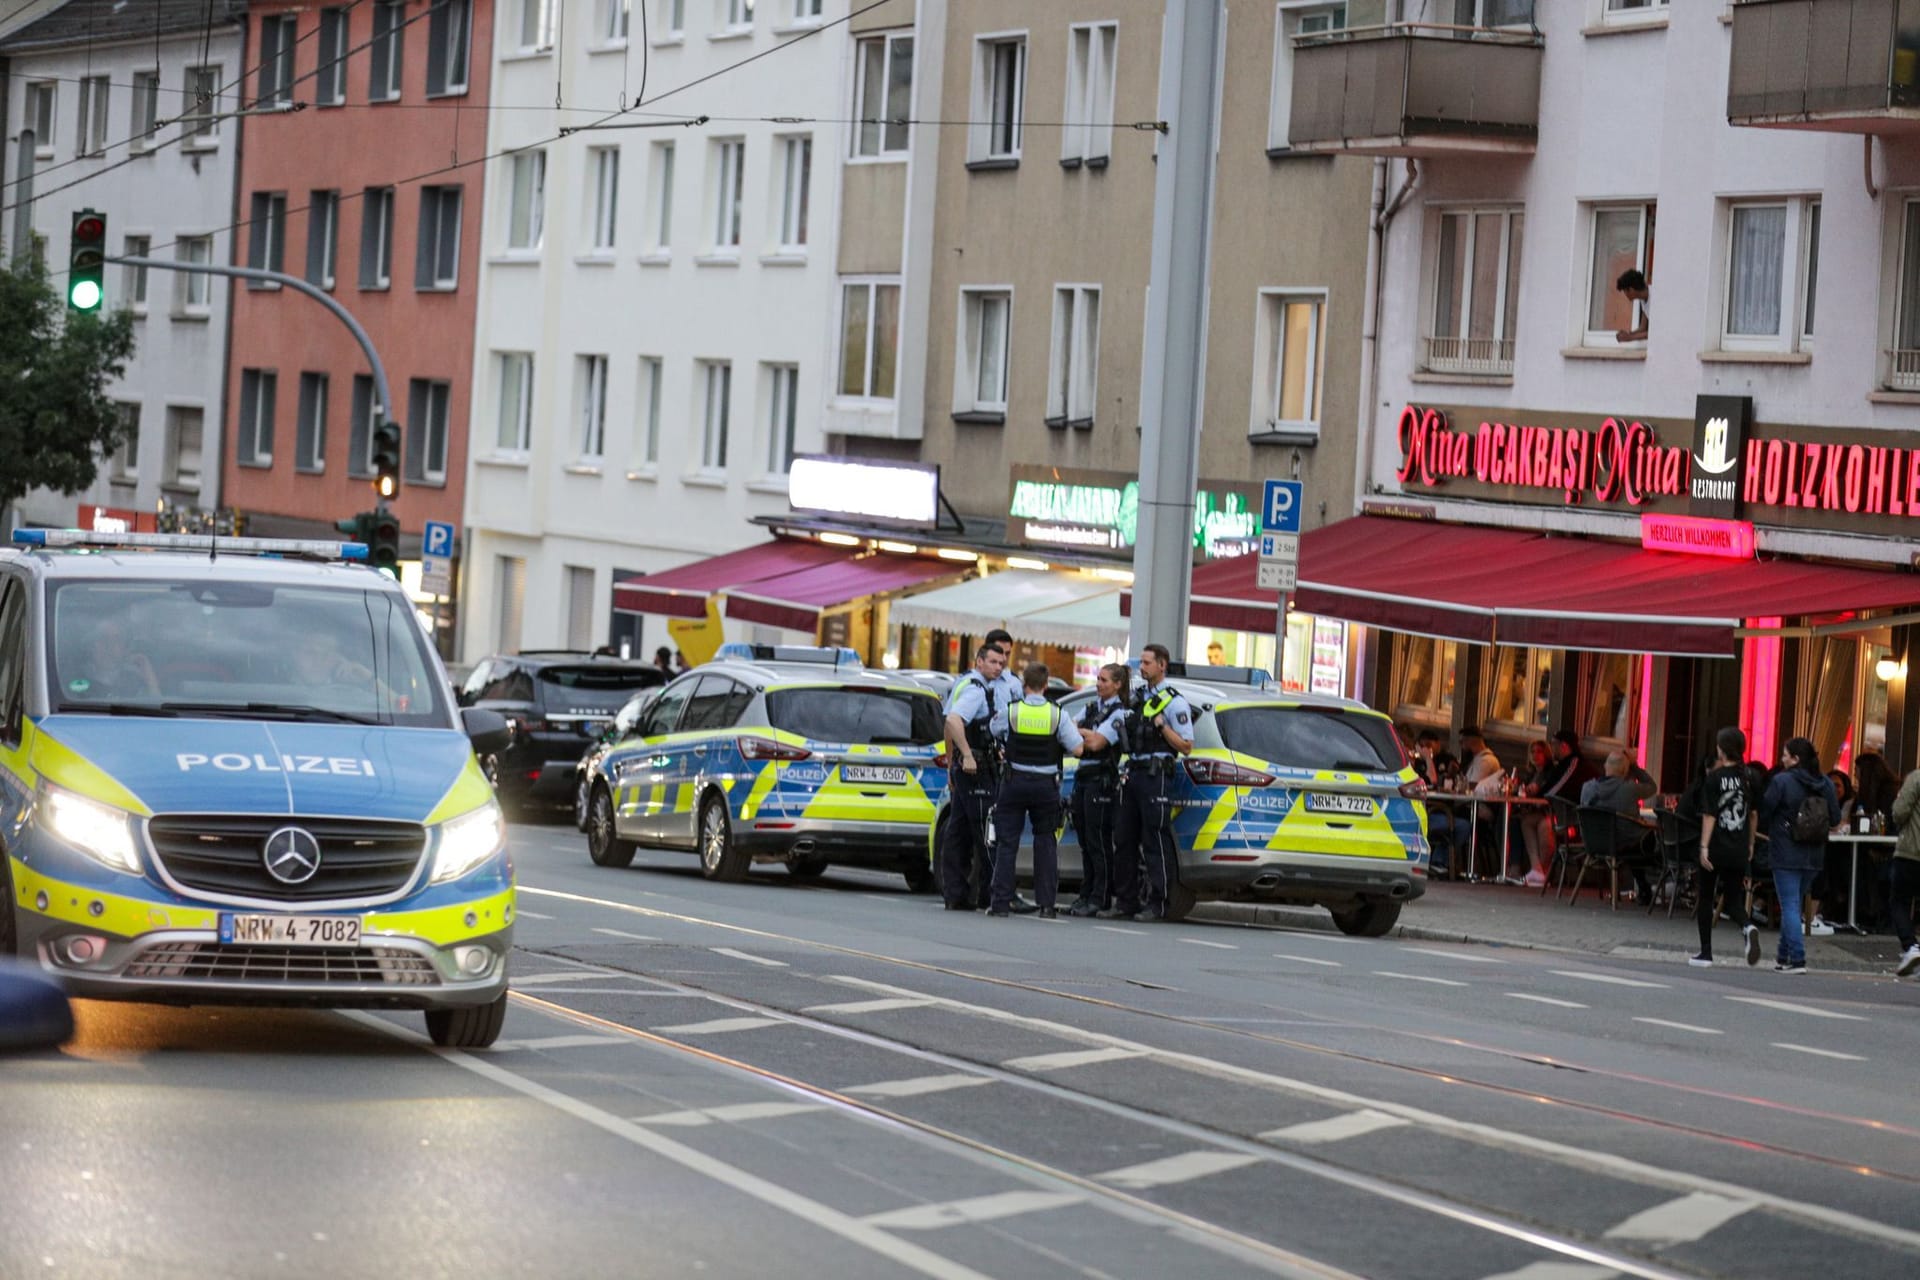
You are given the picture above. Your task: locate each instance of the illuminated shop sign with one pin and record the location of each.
(1618, 461)
(1100, 511)
(898, 492)
(1697, 536)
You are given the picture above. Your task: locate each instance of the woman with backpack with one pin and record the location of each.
(1797, 811)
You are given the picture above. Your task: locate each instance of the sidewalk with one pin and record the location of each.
(1505, 916)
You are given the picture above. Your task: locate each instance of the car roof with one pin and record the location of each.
(542, 658)
(762, 674)
(1214, 692)
(155, 565)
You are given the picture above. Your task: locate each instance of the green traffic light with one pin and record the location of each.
(85, 295)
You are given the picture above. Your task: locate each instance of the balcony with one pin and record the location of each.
(1841, 66)
(1903, 370)
(1478, 357)
(1411, 89)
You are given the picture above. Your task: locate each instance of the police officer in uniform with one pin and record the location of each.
(1096, 787)
(971, 753)
(1037, 735)
(1159, 731)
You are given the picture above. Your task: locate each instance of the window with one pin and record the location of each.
(527, 196)
(1476, 291)
(376, 238)
(253, 436)
(579, 607)
(981, 370)
(1423, 671)
(716, 410)
(195, 290)
(615, 15)
(536, 24)
(1073, 367)
(449, 28)
(736, 15)
(783, 416)
(999, 93)
(91, 139)
(136, 277)
(323, 236)
(1813, 269)
(1292, 23)
(429, 405)
(184, 434)
(730, 159)
(330, 83)
(1489, 13)
(40, 105)
(796, 182)
(1904, 371)
(1635, 11)
(591, 393)
(383, 58)
(1771, 267)
(277, 40)
(1622, 241)
(514, 433)
(647, 435)
(126, 458)
(869, 335)
(604, 163)
(1522, 679)
(806, 10)
(883, 95)
(438, 264)
(1291, 332)
(1607, 696)
(146, 110)
(510, 598)
(200, 109)
(267, 236)
(673, 17)
(1088, 136)
(310, 442)
(660, 217)
(360, 428)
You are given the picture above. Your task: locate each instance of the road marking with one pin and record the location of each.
(1175, 1169)
(954, 1213)
(917, 1086)
(1114, 928)
(1558, 1004)
(885, 1005)
(1680, 1026)
(753, 959)
(560, 1042)
(1788, 1006)
(622, 933)
(1330, 964)
(1819, 1053)
(718, 1026)
(732, 1114)
(1202, 942)
(1453, 955)
(1075, 1058)
(532, 915)
(1335, 1128)
(1558, 1271)
(1612, 980)
(544, 979)
(1417, 977)
(1681, 1221)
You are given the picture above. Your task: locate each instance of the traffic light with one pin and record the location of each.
(357, 528)
(386, 458)
(383, 541)
(87, 261)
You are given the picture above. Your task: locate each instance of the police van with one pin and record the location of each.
(231, 772)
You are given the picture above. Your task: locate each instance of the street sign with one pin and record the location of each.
(436, 542)
(1280, 507)
(1279, 575)
(436, 575)
(1280, 535)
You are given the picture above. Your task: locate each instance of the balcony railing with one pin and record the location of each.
(1845, 66)
(1416, 89)
(1903, 371)
(1489, 357)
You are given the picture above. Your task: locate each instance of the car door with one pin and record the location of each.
(642, 802)
(701, 747)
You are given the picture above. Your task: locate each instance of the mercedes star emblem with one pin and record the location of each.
(292, 855)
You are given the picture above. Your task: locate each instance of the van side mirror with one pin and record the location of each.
(488, 730)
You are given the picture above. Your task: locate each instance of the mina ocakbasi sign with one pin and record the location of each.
(1100, 511)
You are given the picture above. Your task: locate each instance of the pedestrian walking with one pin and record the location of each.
(1096, 787)
(1036, 737)
(1906, 872)
(1797, 811)
(1159, 731)
(1723, 800)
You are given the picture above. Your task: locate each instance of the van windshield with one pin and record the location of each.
(900, 717)
(1313, 738)
(247, 649)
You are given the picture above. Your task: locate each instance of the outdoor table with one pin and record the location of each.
(1854, 841)
(1453, 798)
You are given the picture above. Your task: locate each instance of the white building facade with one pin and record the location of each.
(134, 113)
(656, 330)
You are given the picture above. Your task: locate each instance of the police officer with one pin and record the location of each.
(1159, 731)
(1037, 735)
(1096, 787)
(970, 778)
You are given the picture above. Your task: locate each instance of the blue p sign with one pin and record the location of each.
(437, 540)
(1280, 509)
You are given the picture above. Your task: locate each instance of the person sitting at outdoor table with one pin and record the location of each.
(1795, 855)
(1540, 770)
(1483, 775)
(1622, 789)
(1427, 751)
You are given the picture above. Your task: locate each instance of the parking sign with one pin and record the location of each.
(1280, 507)
(436, 541)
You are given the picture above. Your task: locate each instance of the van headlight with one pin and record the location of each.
(100, 831)
(467, 841)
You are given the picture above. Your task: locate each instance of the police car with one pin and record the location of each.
(789, 755)
(231, 773)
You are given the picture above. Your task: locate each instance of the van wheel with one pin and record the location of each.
(9, 927)
(720, 858)
(1180, 900)
(1368, 918)
(920, 879)
(807, 870)
(604, 844)
(473, 1028)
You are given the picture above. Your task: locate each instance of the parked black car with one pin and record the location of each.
(557, 701)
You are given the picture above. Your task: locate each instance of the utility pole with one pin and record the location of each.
(1176, 340)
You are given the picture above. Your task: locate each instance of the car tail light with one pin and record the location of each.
(527, 724)
(768, 749)
(1415, 790)
(1224, 773)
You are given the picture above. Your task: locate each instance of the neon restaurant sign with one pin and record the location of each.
(1101, 511)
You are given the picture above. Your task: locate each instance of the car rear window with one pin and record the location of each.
(1312, 738)
(896, 717)
(597, 686)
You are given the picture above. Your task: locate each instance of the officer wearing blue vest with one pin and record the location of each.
(1036, 736)
(965, 852)
(1096, 787)
(1159, 730)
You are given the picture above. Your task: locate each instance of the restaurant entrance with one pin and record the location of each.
(1701, 697)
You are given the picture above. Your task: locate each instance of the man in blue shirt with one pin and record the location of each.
(1159, 732)
(971, 707)
(1096, 787)
(1036, 737)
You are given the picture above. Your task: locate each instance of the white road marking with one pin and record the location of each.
(954, 1213)
(1076, 1058)
(884, 1005)
(1681, 1221)
(1558, 1271)
(1114, 928)
(1329, 964)
(1175, 1169)
(719, 1026)
(1680, 1026)
(1788, 1006)
(622, 933)
(1202, 942)
(562, 1042)
(1335, 1128)
(545, 979)
(1417, 977)
(753, 959)
(1558, 1004)
(732, 1114)
(1819, 1053)
(1453, 955)
(1611, 979)
(532, 915)
(917, 1086)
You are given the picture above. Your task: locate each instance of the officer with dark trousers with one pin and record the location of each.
(1096, 787)
(1159, 731)
(1037, 736)
(972, 758)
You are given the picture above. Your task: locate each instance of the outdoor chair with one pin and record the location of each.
(1566, 841)
(1612, 839)
(1679, 847)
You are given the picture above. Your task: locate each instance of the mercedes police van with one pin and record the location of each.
(231, 772)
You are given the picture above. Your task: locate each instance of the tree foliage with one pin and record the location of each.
(56, 421)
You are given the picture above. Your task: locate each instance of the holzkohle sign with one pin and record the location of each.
(1100, 511)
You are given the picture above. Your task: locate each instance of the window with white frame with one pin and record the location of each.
(526, 200)
(1476, 291)
(430, 405)
(646, 442)
(615, 17)
(267, 235)
(660, 211)
(146, 111)
(1622, 237)
(869, 337)
(729, 170)
(1489, 13)
(1634, 11)
(384, 57)
(735, 15)
(323, 236)
(1289, 355)
(310, 435)
(673, 18)
(41, 101)
(437, 264)
(376, 238)
(1293, 21)
(275, 76)
(253, 434)
(999, 97)
(449, 38)
(195, 288)
(536, 25)
(330, 79)
(136, 277)
(1073, 366)
(92, 136)
(1903, 373)
(716, 411)
(200, 107)
(882, 95)
(590, 394)
(513, 427)
(186, 433)
(807, 10)
(126, 458)
(980, 372)
(783, 416)
(1772, 262)
(1088, 135)
(796, 190)
(603, 164)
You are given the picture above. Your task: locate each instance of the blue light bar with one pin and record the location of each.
(314, 548)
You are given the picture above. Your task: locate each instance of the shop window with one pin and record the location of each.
(1607, 697)
(1829, 684)
(1521, 680)
(1872, 720)
(1423, 674)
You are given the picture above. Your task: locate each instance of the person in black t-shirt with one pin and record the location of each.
(1724, 801)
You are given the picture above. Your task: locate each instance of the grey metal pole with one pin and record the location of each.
(1175, 352)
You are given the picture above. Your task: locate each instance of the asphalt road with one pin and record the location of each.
(842, 1079)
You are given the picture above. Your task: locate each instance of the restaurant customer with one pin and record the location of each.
(1483, 776)
(1796, 811)
(1427, 750)
(1906, 872)
(1536, 825)
(1622, 789)
(1723, 800)
(1821, 888)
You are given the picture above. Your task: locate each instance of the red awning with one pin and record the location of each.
(683, 592)
(796, 600)
(1520, 587)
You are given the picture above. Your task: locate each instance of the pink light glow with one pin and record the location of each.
(1646, 706)
(1760, 691)
(1695, 536)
